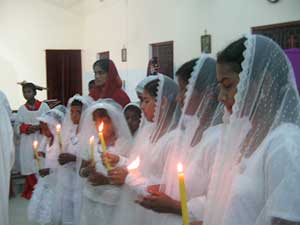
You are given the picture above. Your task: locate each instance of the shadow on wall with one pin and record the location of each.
(8, 82)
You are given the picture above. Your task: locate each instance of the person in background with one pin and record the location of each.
(28, 128)
(153, 66)
(133, 114)
(108, 83)
(6, 157)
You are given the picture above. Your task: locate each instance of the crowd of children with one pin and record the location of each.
(232, 123)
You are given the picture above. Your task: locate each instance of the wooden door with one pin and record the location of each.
(164, 52)
(64, 74)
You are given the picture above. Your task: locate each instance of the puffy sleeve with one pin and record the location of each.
(282, 178)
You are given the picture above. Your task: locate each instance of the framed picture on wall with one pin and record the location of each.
(124, 55)
(206, 43)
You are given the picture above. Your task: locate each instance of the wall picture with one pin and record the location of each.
(206, 43)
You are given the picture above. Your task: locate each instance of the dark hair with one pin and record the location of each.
(76, 103)
(154, 60)
(134, 108)
(100, 113)
(152, 88)
(91, 84)
(185, 71)
(233, 55)
(103, 63)
(29, 85)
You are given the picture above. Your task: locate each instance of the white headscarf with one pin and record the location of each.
(266, 111)
(145, 146)
(52, 118)
(140, 86)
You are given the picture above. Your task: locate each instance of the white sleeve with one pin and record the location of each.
(137, 183)
(282, 180)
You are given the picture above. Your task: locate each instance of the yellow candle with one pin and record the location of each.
(92, 145)
(103, 144)
(184, 209)
(58, 133)
(35, 149)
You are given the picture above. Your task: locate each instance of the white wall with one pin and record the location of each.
(138, 23)
(27, 28)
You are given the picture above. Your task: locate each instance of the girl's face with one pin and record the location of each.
(100, 76)
(28, 93)
(45, 130)
(228, 81)
(76, 113)
(108, 129)
(182, 90)
(148, 106)
(133, 119)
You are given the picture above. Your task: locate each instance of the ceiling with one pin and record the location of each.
(66, 4)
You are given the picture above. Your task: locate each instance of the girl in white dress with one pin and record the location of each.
(256, 176)
(158, 106)
(193, 142)
(99, 196)
(42, 208)
(67, 175)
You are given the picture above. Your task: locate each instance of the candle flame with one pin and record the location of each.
(35, 144)
(92, 139)
(179, 168)
(135, 164)
(58, 128)
(100, 128)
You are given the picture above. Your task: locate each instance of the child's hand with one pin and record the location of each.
(44, 172)
(65, 158)
(36, 128)
(110, 158)
(42, 154)
(117, 176)
(153, 188)
(30, 130)
(97, 179)
(87, 168)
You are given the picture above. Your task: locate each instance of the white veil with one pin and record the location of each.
(266, 104)
(149, 146)
(201, 110)
(87, 125)
(65, 173)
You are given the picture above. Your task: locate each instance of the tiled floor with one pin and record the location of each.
(18, 211)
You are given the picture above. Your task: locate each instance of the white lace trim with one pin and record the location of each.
(192, 81)
(242, 86)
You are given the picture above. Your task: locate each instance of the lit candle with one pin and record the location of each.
(184, 209)
(35, 149)
(92, 143)
(58, 133)
(135, 164)
(101, 137)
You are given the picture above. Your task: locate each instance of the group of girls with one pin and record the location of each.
(233, 123)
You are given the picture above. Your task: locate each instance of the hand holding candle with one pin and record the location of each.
(103, 144)
(35, 149)
(58, 133)
(184, 209)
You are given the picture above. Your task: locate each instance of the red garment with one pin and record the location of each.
(112, 88)
(30, 182)
(24, 127)
(37, 105)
